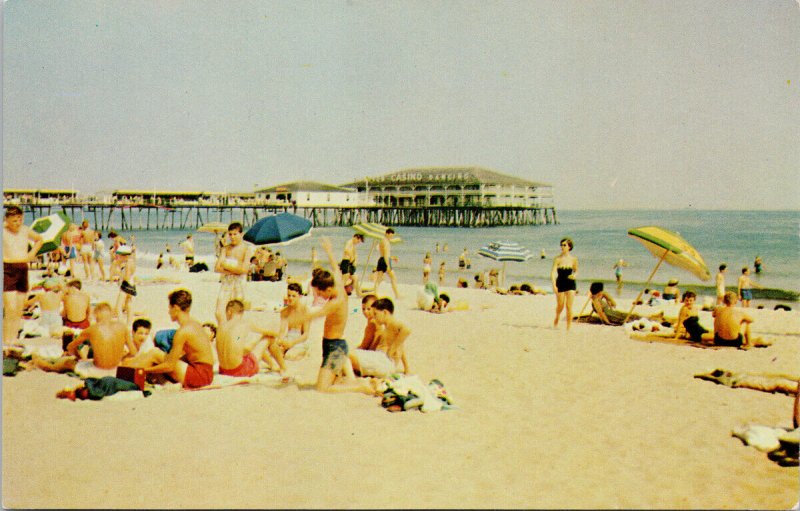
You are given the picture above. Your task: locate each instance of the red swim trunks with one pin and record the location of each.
(15, 277)
(248, 367)
(83, 325)
(198, 374)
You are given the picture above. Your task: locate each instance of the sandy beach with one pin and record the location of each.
(543, 419)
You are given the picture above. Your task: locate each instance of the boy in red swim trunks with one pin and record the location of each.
(238, 355)
(190, 343)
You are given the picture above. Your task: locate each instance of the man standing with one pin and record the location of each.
(720, 282)
(190, 343)
(336, 373)
(385, 262)
(188, 248)
(232, 264)
(87, 249)
(16, 256)
(348, 262)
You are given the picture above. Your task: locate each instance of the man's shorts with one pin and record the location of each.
(15, 277)
(382, 266)
(347, 267)
(334, 354)
(127, 288)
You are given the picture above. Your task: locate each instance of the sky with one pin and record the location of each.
(618, 105)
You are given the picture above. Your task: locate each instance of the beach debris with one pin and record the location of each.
(403, 393)
(785, 384)
(780, 444)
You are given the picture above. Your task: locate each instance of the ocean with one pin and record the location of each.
(600, 237)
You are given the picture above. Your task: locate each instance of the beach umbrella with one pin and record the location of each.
(670, 247)
(51, 227)
(279, 229)
(214, 227)
(377, 232)
(504, 251)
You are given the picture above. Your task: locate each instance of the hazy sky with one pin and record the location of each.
(638, 104)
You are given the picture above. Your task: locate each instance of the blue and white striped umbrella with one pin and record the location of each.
(505, 251)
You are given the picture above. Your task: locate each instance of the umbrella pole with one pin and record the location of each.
(364, 272)
(646, 284)
(503, 283)
(584, 305)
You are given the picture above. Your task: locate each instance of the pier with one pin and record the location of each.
(191, 216)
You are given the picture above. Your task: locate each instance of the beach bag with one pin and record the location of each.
(132, 374)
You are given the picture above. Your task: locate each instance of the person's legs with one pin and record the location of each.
(569, 300)
(277, 353)
(378, 280)
(393, 279)
(560, 299)
(13, 302)
(746, 335)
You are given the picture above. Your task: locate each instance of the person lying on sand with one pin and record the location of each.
(603, 305)
(239, 355)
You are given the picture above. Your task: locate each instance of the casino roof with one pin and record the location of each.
(304, 186)
(450, 175)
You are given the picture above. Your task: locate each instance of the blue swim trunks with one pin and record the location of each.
(334, 354)
(747, 294)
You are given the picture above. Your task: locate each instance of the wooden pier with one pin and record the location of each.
(191, 216)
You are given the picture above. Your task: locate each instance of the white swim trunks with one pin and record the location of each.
(374, 363)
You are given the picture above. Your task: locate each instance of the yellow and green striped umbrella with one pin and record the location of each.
(672, 248)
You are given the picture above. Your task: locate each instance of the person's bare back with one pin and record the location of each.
(76, 305)
(108, 338)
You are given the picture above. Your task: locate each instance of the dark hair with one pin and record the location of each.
(359, 236)
(526, 288)
(322, 280)
(235, 226)
(689, 294)
(745, 269)
(235, 306)
(141, 323)
(444, 297)
(462, 283)
(722, 266)
(596, 287)
(367, 298)
(389, 231)
(212, 326)
(13, 211)
(294, 286)
(182, 298)
(384, 304)
(76, 283)
(568, 242)
(113, 234)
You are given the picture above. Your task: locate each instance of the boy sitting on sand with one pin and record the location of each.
(49, 302)
(731, 325)
(689, 321)
(294, 329)
(190, 360)
(77, 306)
(239, 356)
(388, 354)
(108, 338)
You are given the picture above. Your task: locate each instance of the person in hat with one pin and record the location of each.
(127, 287)
(16, 255)
(671, 291)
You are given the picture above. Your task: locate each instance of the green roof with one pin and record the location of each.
(304, 186)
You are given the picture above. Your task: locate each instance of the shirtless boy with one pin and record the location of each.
(720, 282)
(49, 302)
(348, 262)
(77, 306)
(146, 353)
(238, 353)
(388, 353)
(87, 248)
(16, 256)
(190, 343)
(188, 249)
(731, 325)
(127, 287)
(689, 321)
(336, 372)
(746, 287)
(108, 338)
(232, 265)
(293, 332)
(385, 262)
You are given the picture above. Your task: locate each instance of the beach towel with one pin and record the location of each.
(86, 369)
(10, 366)
(163, 339)
(45, 347)
(765, 382)
(96, 389)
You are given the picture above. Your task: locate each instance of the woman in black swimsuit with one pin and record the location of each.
(565, 269)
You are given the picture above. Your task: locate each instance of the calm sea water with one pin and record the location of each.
(733, 237)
